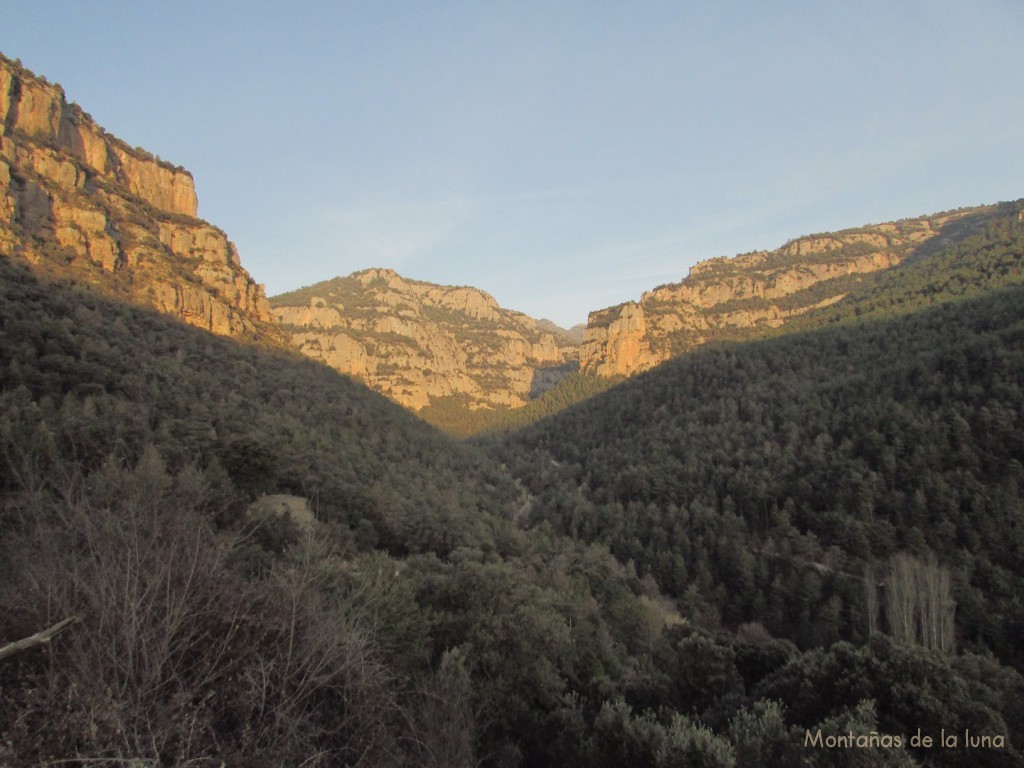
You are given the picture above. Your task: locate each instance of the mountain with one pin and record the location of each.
(421, 344)
(749, 295)
(984, 255)
(468, 366)
(77, 201)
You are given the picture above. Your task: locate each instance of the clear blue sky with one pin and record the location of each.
(564, 156)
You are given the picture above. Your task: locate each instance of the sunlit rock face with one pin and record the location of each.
(78, 202)
(416, 342)
(726, 298)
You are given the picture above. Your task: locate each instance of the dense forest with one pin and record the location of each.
(799, 485)
(768, 475)
(733, 560)
(454, 416)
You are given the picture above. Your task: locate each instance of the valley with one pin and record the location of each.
(780, 497)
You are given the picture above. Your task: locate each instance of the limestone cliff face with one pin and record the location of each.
(418, 342)
(76, 201)
(733, 298)
(616, 342)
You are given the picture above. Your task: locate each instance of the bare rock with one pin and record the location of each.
(81, 203)
(751, 291)
(418, 342)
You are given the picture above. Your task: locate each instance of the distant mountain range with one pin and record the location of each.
(78, 202)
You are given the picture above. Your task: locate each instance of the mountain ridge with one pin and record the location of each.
(747, 296)
(740, 296)
(77, 201)
(419, 342)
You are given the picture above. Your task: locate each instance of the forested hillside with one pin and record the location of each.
(972, 261)
(454, 416)
(412, 624)
(768, 475)
(131, 446)
(436, 615)
(785, 482)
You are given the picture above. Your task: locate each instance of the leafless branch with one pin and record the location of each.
(39, 638)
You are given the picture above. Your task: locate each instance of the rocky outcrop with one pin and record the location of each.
(616, 342)
(78, 202)
(735, 298)
(417, 342)
(37, 110)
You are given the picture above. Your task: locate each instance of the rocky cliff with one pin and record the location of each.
(76, 201)
(743, 296)
(418, 342)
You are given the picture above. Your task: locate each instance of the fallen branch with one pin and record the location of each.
(39, 638)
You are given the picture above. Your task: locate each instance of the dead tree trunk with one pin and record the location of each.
(39, 638)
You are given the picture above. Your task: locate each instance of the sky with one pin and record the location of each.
(562, 156)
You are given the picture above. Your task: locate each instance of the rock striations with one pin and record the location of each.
(419, 343)
(76, 200)
(743, 296)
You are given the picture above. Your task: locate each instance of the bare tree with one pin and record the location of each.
(937, 606)
(901, 599)
(871, 606)
(318, 694)
(443, 721)
(161, 614)
(179, 658)
(919, 604)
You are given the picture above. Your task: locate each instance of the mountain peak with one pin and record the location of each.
(421, 343)
(386, 274)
